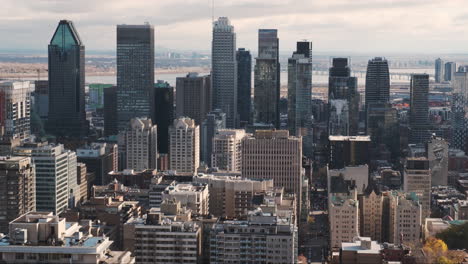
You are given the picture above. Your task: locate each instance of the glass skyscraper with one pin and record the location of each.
(244, 86)
(67, 115)
(419, 109)
(135, 72)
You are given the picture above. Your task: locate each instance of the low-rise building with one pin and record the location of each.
(193, 196)
(362, 250)
(132, 178)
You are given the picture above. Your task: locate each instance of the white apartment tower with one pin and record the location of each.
(184, 139)
(227, 150)
(141, 144)
(224, 70)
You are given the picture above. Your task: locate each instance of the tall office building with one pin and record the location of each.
(110, 111)
(267, 78)
(417, 179)
(449, 71)
(459, 109)
(141, 145)
(163, 113)
(419, 109)
(273, 154)
(300, 94)
(377, 82)
(184, 142)
(348, 151)
(135, 72)
(224, 70)
(439, 70)
(67, 116)
(227, 150)
(244, 86)
(343, 99)
(193, 97)
(17, 188)
(213, 122)
(15, 107)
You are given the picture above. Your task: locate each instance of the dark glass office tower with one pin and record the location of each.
(67, 115)
(377, 82)
(419, 109)
(135, 72)
(110, 111)
(449, 71)
(267, 78)
(244, 86)
(343, 99)
(163, 113)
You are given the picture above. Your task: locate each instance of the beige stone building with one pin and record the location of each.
(232, 196)
(417, 179)
(184, 144)
(343, 217)
(141, 144)
(408, 218)
(370, 214)
(193, 196)
(273, 154)
(227, 150)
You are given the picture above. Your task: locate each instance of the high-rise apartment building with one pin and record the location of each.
(449, 71)
(343, 99)
(135, 72)
(371, 213)
(407, 215)
(244, 86)
(192, 196)
(437, 150)
(67, 116)
(17, 188)
(110, 111)
(273, 154)
(265, 237)
(184, 142)
(15, 107)
(417, 179)
(439, 70)
(163, 113)
(227, 150)
(141, 144)
(419, 109)
(343, 208)
(267, 78)
(193, 97)
(213, 122)
(459, 109)
(224, 70)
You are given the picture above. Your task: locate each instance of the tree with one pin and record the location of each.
(456, 236)
(444, 260)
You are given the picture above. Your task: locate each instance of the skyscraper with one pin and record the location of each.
(342, 95)
(459, 108)
(224, 70)
(184, 154)
(193, 97)
(377, 82)
(15, 106)
(163, 113)
(141, 144)
(244, 86)
(449, 71)
(135, 72)
(267, 78)
(67, 115)
(439, 70)
(419, 109)
(110, 111)
(213, 122)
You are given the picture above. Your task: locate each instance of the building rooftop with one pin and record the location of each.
(362, 245)
(350, 138)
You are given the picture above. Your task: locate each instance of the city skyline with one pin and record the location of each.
(328, 24)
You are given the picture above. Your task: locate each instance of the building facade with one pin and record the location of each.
(15, 109)
(419, 109)
(163, 113)
(193, 97)
(184, 154)
(244, 86)
(110, 111)
(141, 144)
(417, 180)
(439, 70)
(214, 121)
(227, 150)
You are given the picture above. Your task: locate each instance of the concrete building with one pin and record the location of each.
(184, 154)
(66, 68)
(343, 209)
(362, 250)
(437, 152)
(82, 181)
(359, 175)
(273, 154)
(267, 78)
(439, 70)
(17, 189)
(232, 196)
(348, 151)
(155, 238)
(371, 213)
(141, 179)
(135, 72)
(264, 237)
(100, 159)
(224, 70)
(15, 106)
(244, 86)
(194, 196)
(163, 113)
(449, 71)
(419, 109)
(41, 237)
(227, 150)
(300, 94)
(417, 179)
(193, 97)
(141, 147)
(213, 122)
(459, 110)
(408, 218)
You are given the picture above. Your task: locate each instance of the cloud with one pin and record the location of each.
(333, 25)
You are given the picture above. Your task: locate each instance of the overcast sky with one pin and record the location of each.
(423, 26)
